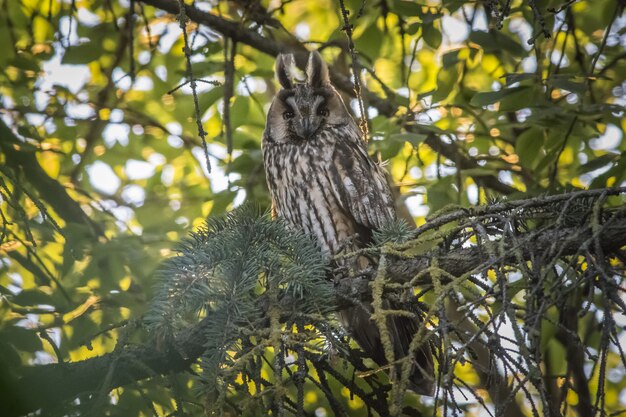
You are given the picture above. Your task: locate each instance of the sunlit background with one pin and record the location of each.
(103, 124)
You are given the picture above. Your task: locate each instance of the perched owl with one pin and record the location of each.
(322, 180)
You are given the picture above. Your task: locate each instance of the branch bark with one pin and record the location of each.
(462, 261)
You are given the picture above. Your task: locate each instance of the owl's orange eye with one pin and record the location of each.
(288, 115)
(322, 111)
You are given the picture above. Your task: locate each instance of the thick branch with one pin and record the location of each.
(49, 385)
(464, 260)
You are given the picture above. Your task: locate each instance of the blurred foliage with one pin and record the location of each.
(102, 169)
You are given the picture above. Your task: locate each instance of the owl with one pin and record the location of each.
(323, 181)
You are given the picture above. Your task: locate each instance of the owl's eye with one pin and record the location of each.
(288, 115)
(322, 111)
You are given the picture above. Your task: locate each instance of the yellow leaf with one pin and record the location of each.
(10, 246)
(104, 113)
(572, 397)
(125, 283)
(81, 309)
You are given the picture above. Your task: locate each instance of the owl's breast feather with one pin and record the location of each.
(302, 186)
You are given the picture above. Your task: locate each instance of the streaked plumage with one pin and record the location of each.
(322, 180)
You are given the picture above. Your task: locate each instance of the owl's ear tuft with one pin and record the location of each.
(317, 70)
(284, 63)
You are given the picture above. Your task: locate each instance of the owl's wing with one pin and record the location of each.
(360, 184)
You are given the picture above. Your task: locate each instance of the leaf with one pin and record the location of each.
(239, 111)
(5, 39)
(529, 146)
(497, 42)
(408, 8)
(413, 28)
(447, 80)
(429, 16)
(484, 99)
(23, 339)
(81, 54)
(427, 128)
(477, 172)
(371, 40)
(568, 85)
(388, 148)
(441, 193)
(204, 68)
(26, 62)
(206, 100)
(425, 94)
(221, 201)
(412, 138)
(31, 297)
(551, 154)
(616, 171)
(432, 35)
(450, 58)
(524, 98)
(513, 78)
(598, 162)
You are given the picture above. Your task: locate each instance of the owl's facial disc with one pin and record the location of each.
(305, 115)
(302, 110)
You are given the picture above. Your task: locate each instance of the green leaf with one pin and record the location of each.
(430, 16)
(497, 42)
(371, 40)
(529, 146)
(408, 8)
(524, 98)
(477, 172)
(81, 54)
(23, 339)
(5, 39)
(447, 80)
(568, 85)
(206, 100)
(32, 297)
(441, 193)
(413, 138)
(484, 99)
(413, 28)
(598, 162)
(26, 62)
(432, 35)
(513, 78)
(239, 111)
(204, 68)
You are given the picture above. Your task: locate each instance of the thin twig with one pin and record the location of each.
(347, 28)
(182, 19)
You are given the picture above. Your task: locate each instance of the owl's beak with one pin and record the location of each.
(307, 128)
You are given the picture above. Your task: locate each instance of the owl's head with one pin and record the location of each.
(301, 110)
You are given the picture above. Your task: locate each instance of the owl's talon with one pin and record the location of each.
(348, 243)
(339, 273)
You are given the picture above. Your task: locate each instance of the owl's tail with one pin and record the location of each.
(357, 321)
